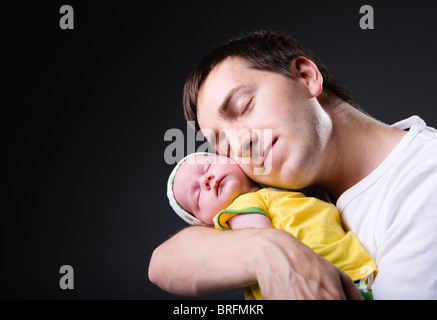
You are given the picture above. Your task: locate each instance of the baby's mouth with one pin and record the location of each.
(217, 185)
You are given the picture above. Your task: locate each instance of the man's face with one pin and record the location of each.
(238, 98)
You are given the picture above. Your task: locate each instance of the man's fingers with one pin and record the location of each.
(349, 288)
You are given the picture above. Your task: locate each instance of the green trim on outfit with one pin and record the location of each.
(242, 211)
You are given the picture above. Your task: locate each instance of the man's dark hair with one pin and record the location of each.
(264, 51)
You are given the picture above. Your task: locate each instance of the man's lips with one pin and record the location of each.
(264, 155)
(268, 149)
(269, 152)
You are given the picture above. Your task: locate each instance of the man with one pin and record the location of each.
(382, 178)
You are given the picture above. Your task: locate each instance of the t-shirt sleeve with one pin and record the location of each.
(244, 204)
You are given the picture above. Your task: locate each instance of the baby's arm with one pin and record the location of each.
(249, 220)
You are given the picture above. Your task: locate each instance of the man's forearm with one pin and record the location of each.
(202, 260)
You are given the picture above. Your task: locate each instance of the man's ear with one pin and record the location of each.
(307, 70)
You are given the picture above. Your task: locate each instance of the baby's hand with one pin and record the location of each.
(249, 220)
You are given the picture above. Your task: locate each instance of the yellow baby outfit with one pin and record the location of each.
(314, 222)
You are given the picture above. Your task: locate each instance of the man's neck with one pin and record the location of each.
(358, 145)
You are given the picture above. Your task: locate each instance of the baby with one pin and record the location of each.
(212, 190)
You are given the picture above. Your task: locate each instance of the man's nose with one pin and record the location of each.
(241, 143)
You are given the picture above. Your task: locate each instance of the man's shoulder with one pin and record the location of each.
(421, 153)
(423, 133)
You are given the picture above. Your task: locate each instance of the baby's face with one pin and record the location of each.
(206, 184)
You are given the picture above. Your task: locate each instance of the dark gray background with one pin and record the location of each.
(85, 112)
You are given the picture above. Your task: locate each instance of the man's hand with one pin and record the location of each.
(201, 260)
(288, 269)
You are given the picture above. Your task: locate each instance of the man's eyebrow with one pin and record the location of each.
(225, 104)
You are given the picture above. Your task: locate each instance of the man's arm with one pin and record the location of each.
(202, 260)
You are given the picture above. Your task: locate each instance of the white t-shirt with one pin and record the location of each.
(393, 211)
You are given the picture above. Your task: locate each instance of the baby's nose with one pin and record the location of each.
(207, 181)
